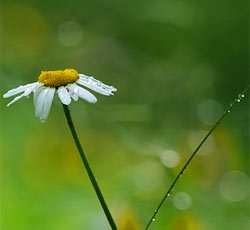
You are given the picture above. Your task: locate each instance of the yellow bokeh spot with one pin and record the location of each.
(26, 32)
(128, 221)
(58, 78)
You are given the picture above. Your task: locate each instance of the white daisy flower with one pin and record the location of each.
(68, 85)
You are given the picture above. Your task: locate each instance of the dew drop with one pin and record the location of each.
(238, 100)
(168, 194)
(242, 95)
(228, 111)
(153, 219)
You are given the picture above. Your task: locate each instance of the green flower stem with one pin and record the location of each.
(88, 168)
(167, 194)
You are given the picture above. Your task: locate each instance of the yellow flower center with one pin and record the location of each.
(58, 78)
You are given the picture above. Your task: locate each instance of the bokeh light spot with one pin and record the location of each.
(70, 33)
(169, 158)
(234, 185)
(209, 111)
(182, 200)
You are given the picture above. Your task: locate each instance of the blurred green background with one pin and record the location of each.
(177, 64)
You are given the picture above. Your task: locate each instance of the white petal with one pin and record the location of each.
(36, 86)
(25, 94)
(31, 88)
(47, 104)
(82, 93)
(96, 85)
(15, 99)
(64, 95)
(18, 90)
(39, 98)
(37, 91)
(73, 95)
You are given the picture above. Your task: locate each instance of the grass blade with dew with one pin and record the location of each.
(167, 194)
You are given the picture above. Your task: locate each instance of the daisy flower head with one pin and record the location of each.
(66, 83)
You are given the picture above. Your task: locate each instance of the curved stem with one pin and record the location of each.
(88, 168)
(167, 194)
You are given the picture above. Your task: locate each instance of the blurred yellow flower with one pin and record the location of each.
(128, 221)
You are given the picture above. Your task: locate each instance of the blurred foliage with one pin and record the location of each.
(177, 65)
